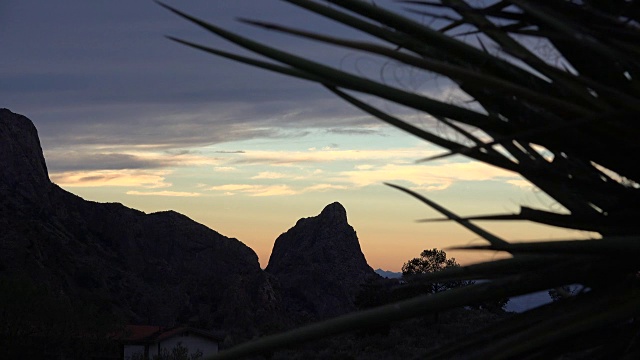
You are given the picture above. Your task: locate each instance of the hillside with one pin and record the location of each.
(160, 268)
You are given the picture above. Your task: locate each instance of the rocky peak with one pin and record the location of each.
(23, 167)
(319, 263)
(334, 212)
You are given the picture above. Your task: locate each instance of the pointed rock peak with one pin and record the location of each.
(334, 211)
(22, 164)
(319, 263)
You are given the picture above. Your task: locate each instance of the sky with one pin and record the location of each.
(126, 115)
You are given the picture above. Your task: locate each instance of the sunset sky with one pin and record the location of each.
(126, 115)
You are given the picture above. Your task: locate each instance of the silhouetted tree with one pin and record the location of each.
(435, 260)
(430, 261)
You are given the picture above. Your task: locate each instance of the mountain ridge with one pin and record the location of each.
(151, 266)
(160, 268)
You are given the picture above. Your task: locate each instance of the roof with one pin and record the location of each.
(153, 334)
(183, 329)
(136, 333)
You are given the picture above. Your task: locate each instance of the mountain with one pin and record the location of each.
(159, 269)
(164, 268)
(388, 274)
(319, 264)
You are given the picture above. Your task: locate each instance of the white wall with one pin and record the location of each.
(191, 341)
(129, 350)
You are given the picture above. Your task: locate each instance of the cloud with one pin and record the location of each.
(432, 187)
(290, 158)
(254, 190)
(129, 178)
(521, 183)
(269, 175)
(178, 152)
(272, 190)
(77, 160)
(153, 126)
(364, 167)
(224, 169)
(164, 193)
(425, 177)
(232, 187)
(90, 159)
(355, 131)
(324, 187)
(171, 127)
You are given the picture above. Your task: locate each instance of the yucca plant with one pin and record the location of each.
(568, 124)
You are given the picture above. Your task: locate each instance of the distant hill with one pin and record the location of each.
(388, 274)
(515, 304)
(528, 301)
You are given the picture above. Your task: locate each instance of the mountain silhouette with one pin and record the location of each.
(163, 268)
(160, 269)
(319, 264)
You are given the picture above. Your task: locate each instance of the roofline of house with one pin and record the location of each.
(165, 333)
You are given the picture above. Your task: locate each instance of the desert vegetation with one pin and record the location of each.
(551, 93)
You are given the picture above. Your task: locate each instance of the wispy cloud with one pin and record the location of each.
(521, 183)
(364, 167)
(163, 193)
(272, 190)
(129, 178)
(81, 160)
(224, 169)
(269, 175)
(89, 159)
(356, 131)
(425, 177)
(289, 158)
(324, 187)
(254, 190)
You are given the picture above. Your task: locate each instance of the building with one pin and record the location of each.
(146, 342)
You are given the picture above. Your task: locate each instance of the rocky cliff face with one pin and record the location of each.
(319, 264)
(161, 268)
(23, 168)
